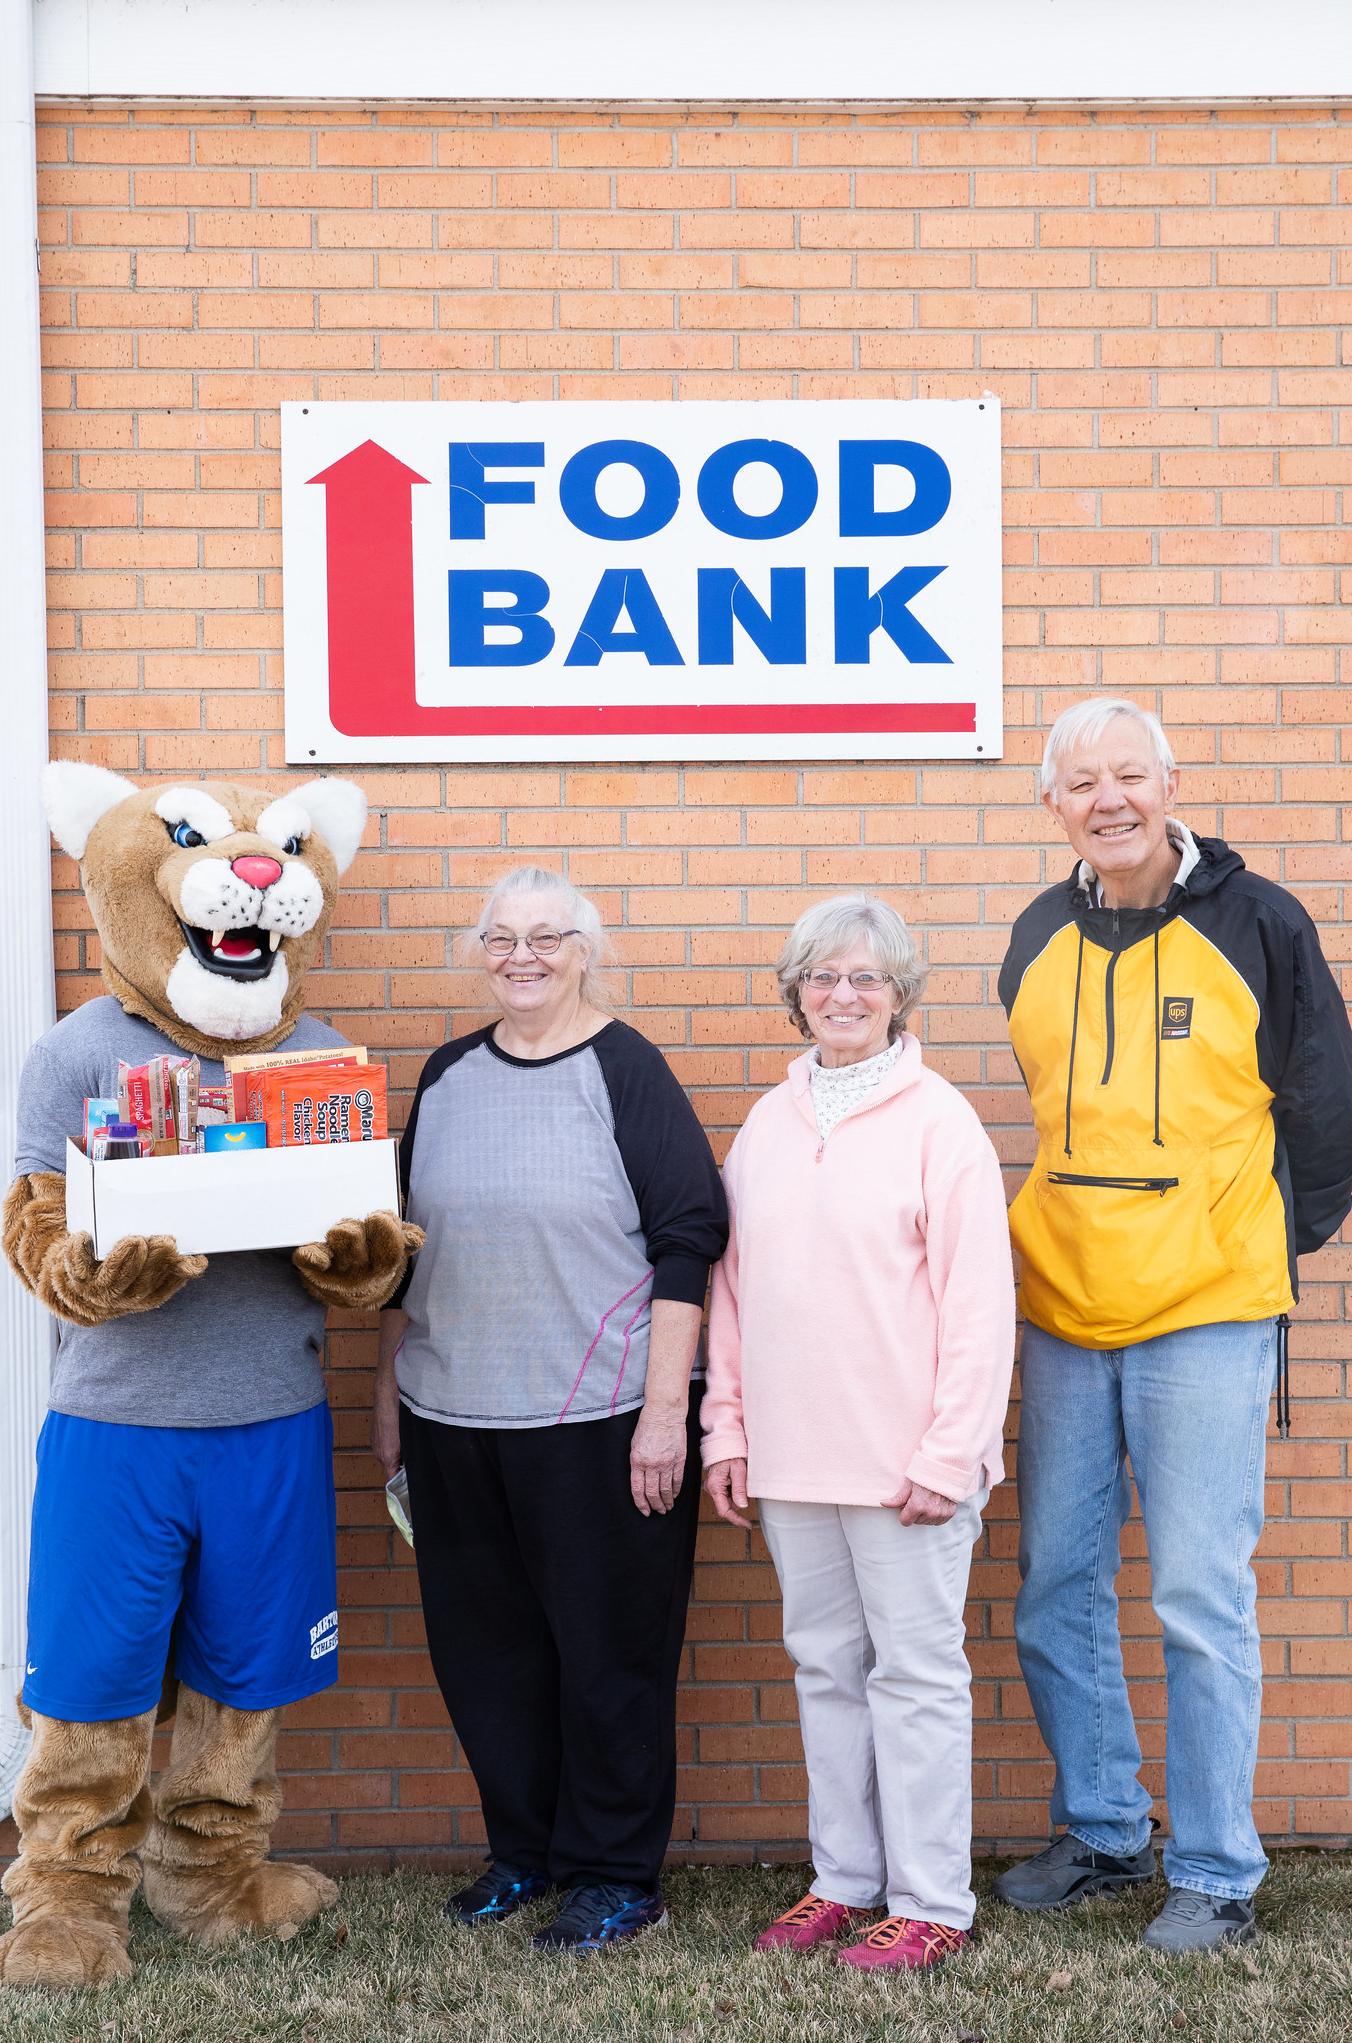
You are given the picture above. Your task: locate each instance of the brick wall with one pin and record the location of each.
(1161, 301)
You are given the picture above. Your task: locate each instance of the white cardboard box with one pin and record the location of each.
(258, 1199)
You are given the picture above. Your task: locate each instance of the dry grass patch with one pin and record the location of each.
(385, 1968)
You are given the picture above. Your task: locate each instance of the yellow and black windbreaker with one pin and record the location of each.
(1190, 1072)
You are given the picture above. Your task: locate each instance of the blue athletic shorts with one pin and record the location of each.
(217, 1539)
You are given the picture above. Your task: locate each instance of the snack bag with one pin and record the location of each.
(133, 1094)
(187, 1081)
(215, 1106)
(396, 1501)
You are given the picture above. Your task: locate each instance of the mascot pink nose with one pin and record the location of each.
(256, 872)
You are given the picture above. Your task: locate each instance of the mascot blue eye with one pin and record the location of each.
(183, 834)
(294, 845)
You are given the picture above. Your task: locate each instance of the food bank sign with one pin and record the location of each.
(758, 580)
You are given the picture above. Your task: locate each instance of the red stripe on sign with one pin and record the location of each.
(676, 719)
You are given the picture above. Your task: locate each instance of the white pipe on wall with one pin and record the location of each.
(27, 1005)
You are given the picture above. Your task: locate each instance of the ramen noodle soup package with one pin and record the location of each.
(317, 1105)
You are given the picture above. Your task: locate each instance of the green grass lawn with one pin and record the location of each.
(385, 1967)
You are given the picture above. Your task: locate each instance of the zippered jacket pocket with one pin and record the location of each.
(1075, 1177)
(1116, 1247)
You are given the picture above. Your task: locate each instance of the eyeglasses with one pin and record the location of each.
(543, 944)
(862, 982)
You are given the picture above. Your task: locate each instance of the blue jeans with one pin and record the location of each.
(1190, 1410)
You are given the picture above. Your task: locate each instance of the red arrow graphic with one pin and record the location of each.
(372, 676)
(369, 505)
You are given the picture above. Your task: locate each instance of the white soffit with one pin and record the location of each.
(652, 51)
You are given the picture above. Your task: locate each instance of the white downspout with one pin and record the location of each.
(27, 1005)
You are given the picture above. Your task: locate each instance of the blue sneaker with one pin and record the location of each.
(602, 1913)
(496, 1894)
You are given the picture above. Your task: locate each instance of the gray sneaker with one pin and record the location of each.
(1190, 1921)
(1068, 1872)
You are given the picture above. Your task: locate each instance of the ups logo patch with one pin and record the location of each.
(1176, 1019)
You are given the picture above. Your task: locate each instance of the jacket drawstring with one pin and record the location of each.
(1074, 1032)
(1283, 1378)
(1158, 1024)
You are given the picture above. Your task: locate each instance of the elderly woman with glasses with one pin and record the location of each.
(861, 1340)
(536, 1370)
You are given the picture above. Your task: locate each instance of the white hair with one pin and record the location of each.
(1084, 723)
(579, 913)
(830, 927)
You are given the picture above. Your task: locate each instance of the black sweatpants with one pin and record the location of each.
(555, 1618)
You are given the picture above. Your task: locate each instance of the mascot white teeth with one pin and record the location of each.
(185, 1489)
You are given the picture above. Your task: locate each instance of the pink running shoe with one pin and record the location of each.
(810, 1921)
(903, 1945)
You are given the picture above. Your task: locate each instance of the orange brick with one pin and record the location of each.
(83, 188)
(733, 148)
(674, 350)
(252, 146)
(615, 149)
(132, 144)
(257, 229)
(1096, 145)
(492, 149)
(129, 229)
(333, 188)
(1271, 187)
(597, 308)
(606, 230)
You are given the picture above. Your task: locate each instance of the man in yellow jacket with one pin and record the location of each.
(1189, 1062)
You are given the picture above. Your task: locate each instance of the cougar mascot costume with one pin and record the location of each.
(184, 1505)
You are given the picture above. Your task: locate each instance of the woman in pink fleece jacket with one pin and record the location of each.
(861, 1338)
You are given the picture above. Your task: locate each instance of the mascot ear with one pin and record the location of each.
(338, 811)
(75, 796)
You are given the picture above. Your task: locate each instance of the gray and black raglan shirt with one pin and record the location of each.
(560, 1196)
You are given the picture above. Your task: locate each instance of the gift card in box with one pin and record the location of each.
(252, 1199)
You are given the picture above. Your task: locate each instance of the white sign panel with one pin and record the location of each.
(745, 580)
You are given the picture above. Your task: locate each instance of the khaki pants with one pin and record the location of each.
(873, 1622)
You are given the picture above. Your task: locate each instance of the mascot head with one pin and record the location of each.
(211, 903)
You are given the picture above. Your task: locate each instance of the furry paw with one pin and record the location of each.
(359, 1262)
(63, 1951)
(276, 1897)
(138, 1273)
(270, 1899)
(143, 1271)
(61, 1269)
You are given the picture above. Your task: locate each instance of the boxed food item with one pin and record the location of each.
(215, 1106)
(226, 1136)
(98, 1115)
(318, 1104)
(254, 1088)
(237, 1069)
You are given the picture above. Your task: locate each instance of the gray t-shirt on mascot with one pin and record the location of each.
(238, 1344)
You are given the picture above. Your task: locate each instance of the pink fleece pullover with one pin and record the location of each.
(862, 1322)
